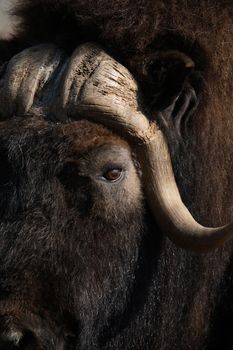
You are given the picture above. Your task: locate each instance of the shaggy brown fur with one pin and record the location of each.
(64, 224)
(201, 29)
(179, 301)
(83, 265)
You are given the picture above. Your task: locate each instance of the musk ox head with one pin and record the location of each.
(72, 208)
(90, 84)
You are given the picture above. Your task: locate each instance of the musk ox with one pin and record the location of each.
(85, 262)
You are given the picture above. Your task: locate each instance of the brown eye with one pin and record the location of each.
(112, 174)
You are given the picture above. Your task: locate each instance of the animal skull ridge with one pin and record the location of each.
(92, 85)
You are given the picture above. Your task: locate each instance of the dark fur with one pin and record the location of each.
(159, 297)
(87, 267)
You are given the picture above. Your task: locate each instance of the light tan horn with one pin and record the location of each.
(25, 77)
(92, 85)
(108, 94)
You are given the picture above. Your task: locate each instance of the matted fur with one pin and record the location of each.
(179, 300)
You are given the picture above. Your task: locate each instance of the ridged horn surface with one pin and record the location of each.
(109, 95)
(92, 85)
(25, 77)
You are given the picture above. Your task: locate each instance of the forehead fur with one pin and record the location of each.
(87, 135)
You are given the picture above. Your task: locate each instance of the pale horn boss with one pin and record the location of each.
(92, 85)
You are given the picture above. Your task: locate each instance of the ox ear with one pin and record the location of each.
(165, 80)
(174, 98)
(162, 75)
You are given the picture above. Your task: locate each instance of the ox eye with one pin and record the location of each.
(113, 175)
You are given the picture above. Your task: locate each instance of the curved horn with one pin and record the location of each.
(92, 85)
(165, 202)
(109, 95)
